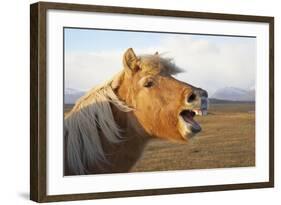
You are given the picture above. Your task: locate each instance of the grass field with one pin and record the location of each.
(227, 140)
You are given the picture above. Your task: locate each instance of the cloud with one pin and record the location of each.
(86, 70)
(210, 64)
(213, 65)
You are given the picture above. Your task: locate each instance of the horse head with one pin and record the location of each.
(164, 106)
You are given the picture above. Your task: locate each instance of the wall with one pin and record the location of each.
(14, 109)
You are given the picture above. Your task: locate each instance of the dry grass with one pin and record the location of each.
(227, 140)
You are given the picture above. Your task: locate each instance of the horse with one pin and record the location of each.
(108, 128)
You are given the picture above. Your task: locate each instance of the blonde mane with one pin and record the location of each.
(90, 118)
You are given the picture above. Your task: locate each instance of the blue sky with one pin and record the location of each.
(92, 40)
(212, 62)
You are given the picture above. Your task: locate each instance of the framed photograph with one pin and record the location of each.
(134, 102)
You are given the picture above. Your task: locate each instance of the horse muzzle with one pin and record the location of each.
(196, 104)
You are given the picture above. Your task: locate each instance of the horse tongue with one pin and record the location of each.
(188, 117)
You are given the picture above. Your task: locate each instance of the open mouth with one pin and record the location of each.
(188, 117)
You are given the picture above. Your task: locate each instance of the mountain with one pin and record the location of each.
(234, 94)
(218, 101)
(71, 95)
(223, 94)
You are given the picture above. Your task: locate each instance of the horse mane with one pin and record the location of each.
(90, 119)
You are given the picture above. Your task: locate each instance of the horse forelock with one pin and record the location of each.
(89, 121)
(158, 63)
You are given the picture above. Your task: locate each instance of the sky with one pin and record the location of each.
(210, 62)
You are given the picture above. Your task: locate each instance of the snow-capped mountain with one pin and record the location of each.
(234, 94)
(71, 95)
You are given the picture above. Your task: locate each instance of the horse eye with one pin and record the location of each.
(148, 84)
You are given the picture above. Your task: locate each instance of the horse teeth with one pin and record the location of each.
(197, 112)
(200, 112)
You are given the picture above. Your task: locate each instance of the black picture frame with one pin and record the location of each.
(38, 103)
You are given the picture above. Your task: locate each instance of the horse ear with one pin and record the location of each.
(130, 60)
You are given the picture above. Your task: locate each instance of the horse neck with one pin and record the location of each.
(123, 155)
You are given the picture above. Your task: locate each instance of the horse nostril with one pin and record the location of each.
(191, 98)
